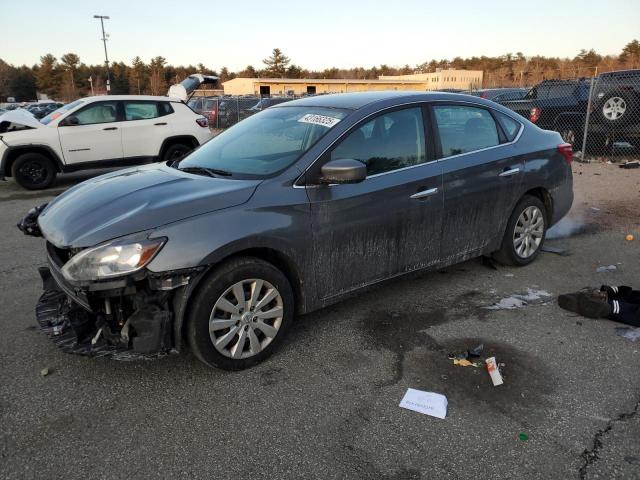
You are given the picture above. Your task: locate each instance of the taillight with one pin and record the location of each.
(203, 122)
(566, 149)
(534, 114)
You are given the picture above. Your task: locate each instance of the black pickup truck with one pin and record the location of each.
(561, 105)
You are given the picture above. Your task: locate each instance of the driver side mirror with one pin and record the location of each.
(70, 121)
(343, 171)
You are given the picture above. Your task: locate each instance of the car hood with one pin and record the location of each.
(134, 200)
(21, 117)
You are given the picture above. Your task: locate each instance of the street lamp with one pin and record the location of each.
(106, 57)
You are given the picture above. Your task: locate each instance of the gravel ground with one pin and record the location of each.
(326, 405)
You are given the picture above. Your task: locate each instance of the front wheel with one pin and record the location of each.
(33, 171)
(525, 233)
(240, 314)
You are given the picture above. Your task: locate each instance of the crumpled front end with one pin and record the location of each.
(127, 317)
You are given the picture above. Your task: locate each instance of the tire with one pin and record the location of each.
(570, 134)
(509, 253)
(33, 171)
(176, 152)
(220, 289)
(617, 108)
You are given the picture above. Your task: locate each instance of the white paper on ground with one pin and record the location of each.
(429, 403)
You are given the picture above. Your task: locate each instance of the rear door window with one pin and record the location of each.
(464, 129)
(140, 110)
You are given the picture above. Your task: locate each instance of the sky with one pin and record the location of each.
(315, 35)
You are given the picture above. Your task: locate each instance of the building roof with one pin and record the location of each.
(324, 80)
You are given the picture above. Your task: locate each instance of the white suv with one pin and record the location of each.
(95, 132)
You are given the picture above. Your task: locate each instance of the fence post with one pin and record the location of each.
(586, 119)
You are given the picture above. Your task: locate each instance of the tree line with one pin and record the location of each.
(68, 78)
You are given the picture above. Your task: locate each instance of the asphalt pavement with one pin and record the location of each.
(326, 405)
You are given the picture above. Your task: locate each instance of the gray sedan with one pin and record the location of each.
(289, 211)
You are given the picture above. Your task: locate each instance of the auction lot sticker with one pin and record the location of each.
(323, 120)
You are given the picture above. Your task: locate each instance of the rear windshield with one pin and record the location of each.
(265, 143)
(56, 113)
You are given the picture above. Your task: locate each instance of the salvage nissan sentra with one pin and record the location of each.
(289, 211)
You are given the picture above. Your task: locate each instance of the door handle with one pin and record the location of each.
(509, 172)
(160, 123)
(110, 128)
(424, 193)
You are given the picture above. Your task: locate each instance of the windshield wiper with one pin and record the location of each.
(212, 172)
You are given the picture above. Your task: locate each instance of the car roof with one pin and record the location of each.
(130, 97)
(355, 101)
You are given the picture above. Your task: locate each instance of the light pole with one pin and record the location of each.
(106, 57)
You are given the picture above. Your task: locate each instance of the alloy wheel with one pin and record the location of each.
(528, 232)
(614, 108)
(246, 318)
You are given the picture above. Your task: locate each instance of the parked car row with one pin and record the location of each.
(225, 111)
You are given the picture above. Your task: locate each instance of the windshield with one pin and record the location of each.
(265, 143)
(56, 113)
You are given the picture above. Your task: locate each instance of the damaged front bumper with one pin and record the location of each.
(132, 317)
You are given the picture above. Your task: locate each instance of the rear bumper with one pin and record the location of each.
(562, 196)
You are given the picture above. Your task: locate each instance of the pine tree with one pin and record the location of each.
(276, 64)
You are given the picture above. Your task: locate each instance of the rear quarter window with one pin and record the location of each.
(509, 125)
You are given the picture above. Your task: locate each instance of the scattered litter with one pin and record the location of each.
(429, 403)
(595, 209)
(476, 351)
(629, 238)
(44, 372)
(634, 164)
(632, 334)
(523, 437)
(509, 275)
(494, 373)
(563, 252)
(519, 300)
(608, 268)
(463, 362)
(632, 460)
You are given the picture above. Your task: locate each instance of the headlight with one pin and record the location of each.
(111, 260)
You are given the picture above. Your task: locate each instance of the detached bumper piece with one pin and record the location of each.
(126, 327)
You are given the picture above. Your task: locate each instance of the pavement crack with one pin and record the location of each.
(590, 456)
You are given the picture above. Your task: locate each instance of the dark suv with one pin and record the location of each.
(615, 113)
(558, 105)
(561, 105)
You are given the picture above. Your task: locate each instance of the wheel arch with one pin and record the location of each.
(183, 139)
(13, 152)
(545, 197)
(280, 260)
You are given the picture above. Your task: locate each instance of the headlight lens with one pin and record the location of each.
(111, 260)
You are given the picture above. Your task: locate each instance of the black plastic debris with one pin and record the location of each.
(563, 252)
(634, 164)
(476, 351)
(29, 223)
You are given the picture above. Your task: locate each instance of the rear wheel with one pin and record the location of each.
(240, 314)
(525, 233)
(33, 171)
(175, 152)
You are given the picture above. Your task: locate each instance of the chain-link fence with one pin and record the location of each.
(225, 111)
(598, 115)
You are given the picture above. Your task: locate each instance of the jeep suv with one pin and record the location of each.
(97, 132)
